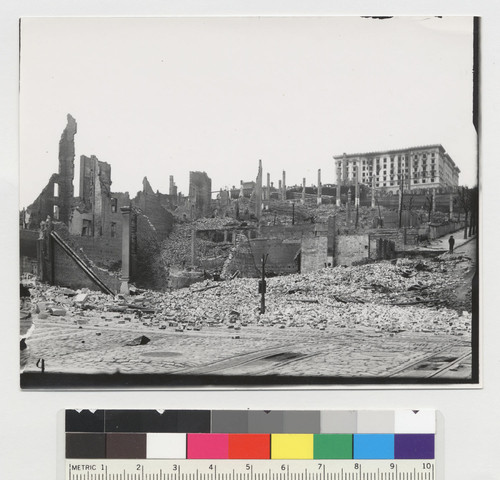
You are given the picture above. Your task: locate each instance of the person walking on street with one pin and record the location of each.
(451, 242)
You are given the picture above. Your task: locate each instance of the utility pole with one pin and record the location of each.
(293, 213)
(262, 285)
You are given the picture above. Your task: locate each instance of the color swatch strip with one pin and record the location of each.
(237, 446)
(251, 421)
(247, 434)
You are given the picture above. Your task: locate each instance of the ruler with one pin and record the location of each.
(153, 469)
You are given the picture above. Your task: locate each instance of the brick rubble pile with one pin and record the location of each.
(407, 295)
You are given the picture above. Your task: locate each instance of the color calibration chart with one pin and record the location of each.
(250, 445)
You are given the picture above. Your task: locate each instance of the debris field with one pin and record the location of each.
(363, 320)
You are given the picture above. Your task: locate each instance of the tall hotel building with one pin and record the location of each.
(426, 167)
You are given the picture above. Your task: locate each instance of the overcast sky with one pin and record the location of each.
(157, 97)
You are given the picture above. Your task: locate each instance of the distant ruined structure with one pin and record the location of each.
(91, 225)
(107, 240)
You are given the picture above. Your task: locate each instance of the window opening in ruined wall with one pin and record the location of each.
(87, 228)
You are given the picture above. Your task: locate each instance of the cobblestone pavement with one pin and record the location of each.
(363, 323)
(99, 347)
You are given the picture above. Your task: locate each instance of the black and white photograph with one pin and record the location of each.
(249, 202)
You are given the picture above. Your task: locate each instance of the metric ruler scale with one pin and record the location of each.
(250, 445)
(151, 469)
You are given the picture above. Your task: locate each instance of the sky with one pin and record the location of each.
(164, 96)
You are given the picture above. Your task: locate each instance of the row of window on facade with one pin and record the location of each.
(87, 230)
(401, 175)
(398, 158)
(392, 171)
(422, 164)
(392, 184)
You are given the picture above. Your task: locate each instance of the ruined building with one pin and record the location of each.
(56, 198)
(200, 194)
(78, 240)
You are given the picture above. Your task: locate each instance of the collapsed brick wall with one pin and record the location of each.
(351, 248)
(43, 206)
(419, 201)
(150, 205)
(286, 211)
(401, 238)
(283, 257)
(150, 270)
(67, 273)
(314, 254)
(200, 193)
(295, 232)
(105, 252)
(28, 240)
(436, 231)
(241, 259)
(311, 199)
(409, 219)
(28, 265)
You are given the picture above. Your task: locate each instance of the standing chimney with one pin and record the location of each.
(373, 186)
(356, 186)
(349, 196)
(339, 181)
(258, 192)
(318, 200)
(283, 186)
